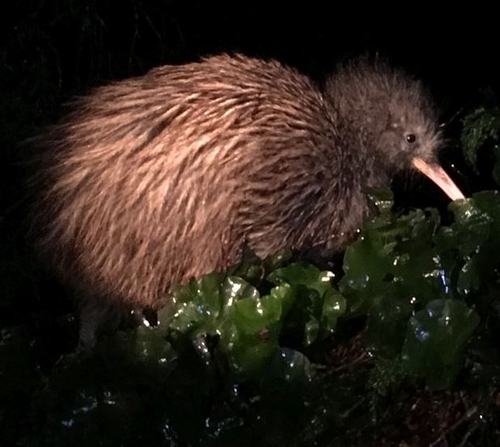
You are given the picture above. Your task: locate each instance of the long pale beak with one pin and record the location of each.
(437, 174)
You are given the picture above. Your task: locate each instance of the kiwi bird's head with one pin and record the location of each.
(394, 117)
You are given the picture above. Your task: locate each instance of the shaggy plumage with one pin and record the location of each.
(154, 180)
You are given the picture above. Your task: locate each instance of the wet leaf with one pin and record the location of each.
(198, 305)
(395, 257)
(386, 327)
(318, 305)
(436, 340)
(250, 331)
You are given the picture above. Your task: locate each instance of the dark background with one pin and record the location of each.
(71, 45)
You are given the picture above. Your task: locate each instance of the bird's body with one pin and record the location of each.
(154, 180)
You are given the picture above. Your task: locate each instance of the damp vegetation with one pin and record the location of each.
(398, 345)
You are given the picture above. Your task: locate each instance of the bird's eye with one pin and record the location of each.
(411, 138)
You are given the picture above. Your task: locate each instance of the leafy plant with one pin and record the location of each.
(482, 126)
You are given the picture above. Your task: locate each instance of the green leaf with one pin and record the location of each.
(479, 126)
(197, 306)
(436, 340)
(394, 257)
(386, 327)
(475, 235)
(250, 330)
(303, 274)
(318, 305)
